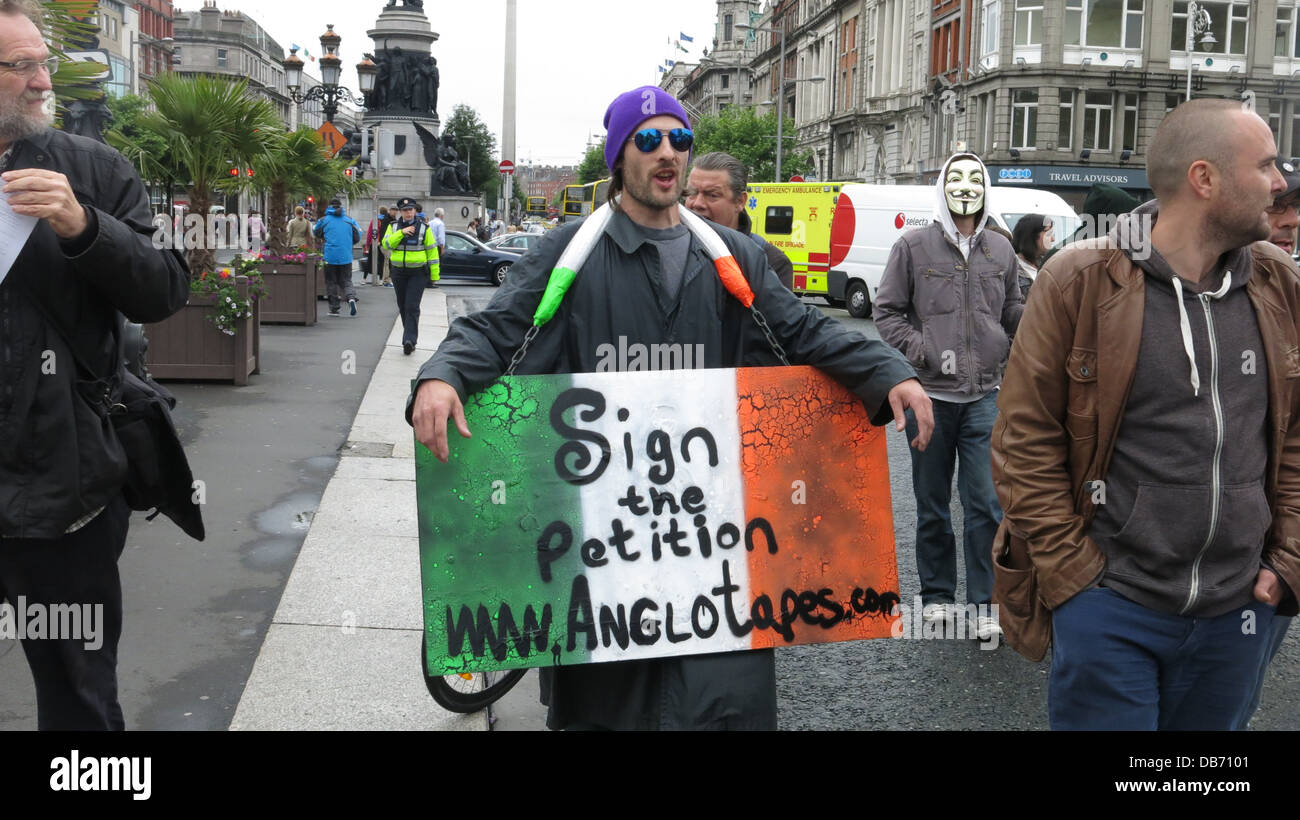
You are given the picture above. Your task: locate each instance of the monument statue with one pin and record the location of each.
(410, 4)
(450, 174)
(407, 83)
(87, 118)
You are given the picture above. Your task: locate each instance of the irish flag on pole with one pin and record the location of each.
(608, 516)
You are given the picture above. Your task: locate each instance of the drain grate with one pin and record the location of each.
(367, 449)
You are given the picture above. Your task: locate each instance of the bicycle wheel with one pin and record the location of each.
(469, 691)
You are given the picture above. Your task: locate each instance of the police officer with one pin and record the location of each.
(414, 254)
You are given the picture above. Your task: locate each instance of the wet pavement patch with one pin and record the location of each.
(291, 516)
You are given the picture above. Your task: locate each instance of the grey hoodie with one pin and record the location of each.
(1185, 511)
(949, 313)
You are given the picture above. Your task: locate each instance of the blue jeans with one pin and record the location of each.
(961, 432)
(1118, 665)
(1280, 626)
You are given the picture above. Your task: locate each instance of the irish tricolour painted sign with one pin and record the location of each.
(611, 516)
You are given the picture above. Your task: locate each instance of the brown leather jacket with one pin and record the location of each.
(1066, 386)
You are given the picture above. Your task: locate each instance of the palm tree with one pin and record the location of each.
(68, 24)
(299, 166)
(212, 126)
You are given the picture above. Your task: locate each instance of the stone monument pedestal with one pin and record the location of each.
(403, 38)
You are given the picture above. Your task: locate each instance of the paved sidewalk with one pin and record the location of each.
(343, 648)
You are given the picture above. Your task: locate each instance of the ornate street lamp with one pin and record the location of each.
(1198, 31)
(329, 92)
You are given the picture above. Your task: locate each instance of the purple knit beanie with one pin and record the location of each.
(630, 109)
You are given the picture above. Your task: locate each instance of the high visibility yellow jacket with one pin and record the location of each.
(413, 251)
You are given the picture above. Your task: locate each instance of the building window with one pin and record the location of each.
(1024, 117)
(1029, 22)
(1172, 101)
(1295, 134)
(1113, 23)
(1128, 139)
(989, 27)
(1275, 121)
(726, 28)
(1286, 41)
(1229, 23)
(726, 82)
(1065, 124)
(223, 59)
(1098, 118)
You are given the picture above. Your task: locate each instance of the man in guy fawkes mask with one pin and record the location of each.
(949, 301)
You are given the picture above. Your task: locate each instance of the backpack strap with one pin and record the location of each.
(575, 254)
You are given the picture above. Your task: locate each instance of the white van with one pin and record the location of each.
(869, 219)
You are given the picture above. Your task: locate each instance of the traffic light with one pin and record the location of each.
(250, 173)
(311, 200)
(234, 172)
(347, 172)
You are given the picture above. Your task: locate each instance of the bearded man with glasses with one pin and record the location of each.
(89, 257)
(649, 280)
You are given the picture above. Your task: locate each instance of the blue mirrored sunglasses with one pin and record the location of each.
(648, 139)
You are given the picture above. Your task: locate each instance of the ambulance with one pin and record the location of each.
(869, 219)
(796, 218)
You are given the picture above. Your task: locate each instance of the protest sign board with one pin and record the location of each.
(611, 516)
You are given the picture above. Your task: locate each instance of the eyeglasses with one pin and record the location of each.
(1275, 209)
(28, 68)
(648, 139)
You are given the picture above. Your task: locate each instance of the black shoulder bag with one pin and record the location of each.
(138, 409)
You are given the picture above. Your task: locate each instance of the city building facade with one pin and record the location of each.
(153, 44)
(1054, 94)
(230, 44)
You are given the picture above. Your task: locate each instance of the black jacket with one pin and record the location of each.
(56, 462)
(619, 292)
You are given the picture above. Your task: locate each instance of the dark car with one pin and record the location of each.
(520, 243)
(467, 258)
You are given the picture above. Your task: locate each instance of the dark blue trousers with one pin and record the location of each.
(408, 285)
(1119, 665)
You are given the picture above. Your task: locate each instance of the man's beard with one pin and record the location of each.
(16, 122)
(1239, 229)
(644, 190)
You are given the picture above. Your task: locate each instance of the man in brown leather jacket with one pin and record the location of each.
(1147, 450)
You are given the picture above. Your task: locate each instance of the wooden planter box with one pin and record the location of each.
(188, 346)
(290, 292)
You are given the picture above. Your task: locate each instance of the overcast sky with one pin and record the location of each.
(574, 56)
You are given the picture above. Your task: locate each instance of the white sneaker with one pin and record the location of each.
(986, 628)
(936, 613)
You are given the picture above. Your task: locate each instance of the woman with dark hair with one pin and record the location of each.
(1031, 238)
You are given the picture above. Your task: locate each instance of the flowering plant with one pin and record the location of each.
(229, 307)
(299, 254)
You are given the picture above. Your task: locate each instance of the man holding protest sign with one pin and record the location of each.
(648, 280)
